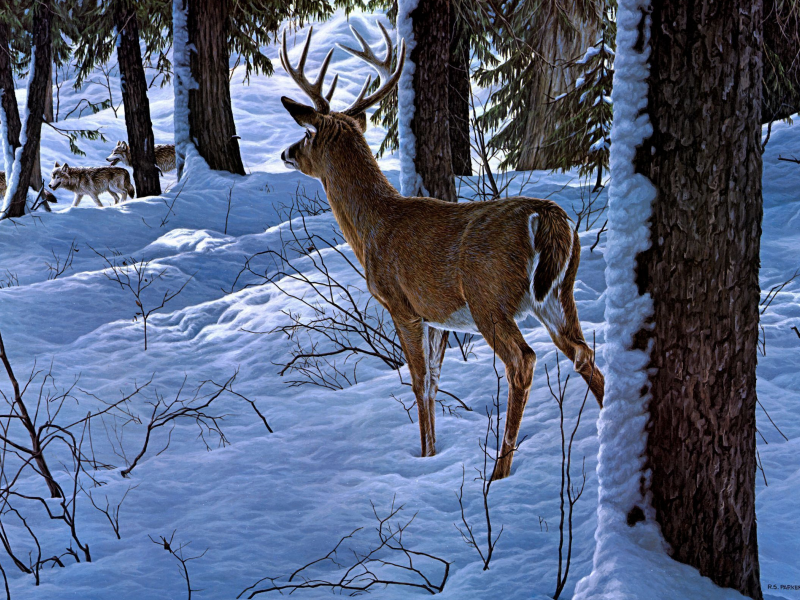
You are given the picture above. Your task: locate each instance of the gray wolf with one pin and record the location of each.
(92, 181)
(165, 156)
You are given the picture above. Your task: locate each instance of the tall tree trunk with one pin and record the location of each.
(211, 122)
(459, 96)
(37, 91)
(430, 125)
(134, 96)
(550, 82)
(702, 273)
(47, 117)
(9, 98)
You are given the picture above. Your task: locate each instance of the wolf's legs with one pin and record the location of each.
(77, 200)
(94, 197)
(116, 198)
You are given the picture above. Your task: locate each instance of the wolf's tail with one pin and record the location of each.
(129, 187)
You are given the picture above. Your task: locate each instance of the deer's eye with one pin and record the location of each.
(309, 136)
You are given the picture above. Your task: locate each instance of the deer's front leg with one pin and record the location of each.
(414, 339)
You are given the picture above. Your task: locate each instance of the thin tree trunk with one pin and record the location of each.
(702, 273)
(36, 175)
(430, 125)
(37, 91)
(9, 99)
(459, 97)
(134, 97)
(211, 122)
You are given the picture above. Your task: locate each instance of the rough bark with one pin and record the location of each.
(37, 93)
(459, 96)
(548, 83)
(702, 273)
(430, 125)
(9, 99)
(211, 122)
(134, 97)
(47, 117)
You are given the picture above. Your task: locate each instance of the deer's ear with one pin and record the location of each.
(361, 119)
(304, 115)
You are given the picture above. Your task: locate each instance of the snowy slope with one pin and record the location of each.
(268, 503)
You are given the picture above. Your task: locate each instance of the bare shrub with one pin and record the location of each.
(29, 441)
(569, 493)
(387, 562)
(136, 277)
(484, 476)
(194, 407)
(345, 323)
(183, 561)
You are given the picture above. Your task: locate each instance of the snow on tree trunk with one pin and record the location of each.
(134, 97)
(10, 125)
(182, 82)
(210, 113)
(705, 105)
(621, 426)
(426, 166)
(38, 80)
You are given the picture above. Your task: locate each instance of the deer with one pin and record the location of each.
(437, 266)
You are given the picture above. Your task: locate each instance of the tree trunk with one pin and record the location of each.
(134, 98)
(37, 92)
(47, 117)
(9, 99)
(459, 97)
(549, 82)
(430, 125)
(702, 273)
(211, 122)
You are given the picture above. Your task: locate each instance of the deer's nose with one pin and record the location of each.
(283, 155)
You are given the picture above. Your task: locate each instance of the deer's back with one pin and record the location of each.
(432, 254)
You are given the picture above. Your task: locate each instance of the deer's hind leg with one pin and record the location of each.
(414, 340)
(519, 359)
(561, 321)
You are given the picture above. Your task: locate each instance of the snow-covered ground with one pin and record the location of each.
(269, 503)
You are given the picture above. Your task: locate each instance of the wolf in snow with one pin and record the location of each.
(47, 197)
(92, 181)
(165, 156)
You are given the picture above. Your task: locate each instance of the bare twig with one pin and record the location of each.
(387, 563)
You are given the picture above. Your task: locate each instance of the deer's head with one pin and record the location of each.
(328, 131)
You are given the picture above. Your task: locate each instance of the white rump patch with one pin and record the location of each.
(460, 321)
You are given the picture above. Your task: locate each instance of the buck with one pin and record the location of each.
(439, 266)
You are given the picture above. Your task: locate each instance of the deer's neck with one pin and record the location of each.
(356, 190)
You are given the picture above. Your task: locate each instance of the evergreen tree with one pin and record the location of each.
(39, 18)
(527, 51)
(781, 95)
(582, 136)
(114, 26)
(214, 29)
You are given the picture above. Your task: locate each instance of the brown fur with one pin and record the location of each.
(439, 265)
(93, 181)
(165, 156)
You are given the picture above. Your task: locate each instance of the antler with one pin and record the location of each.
(312, 90)
(388, 79)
